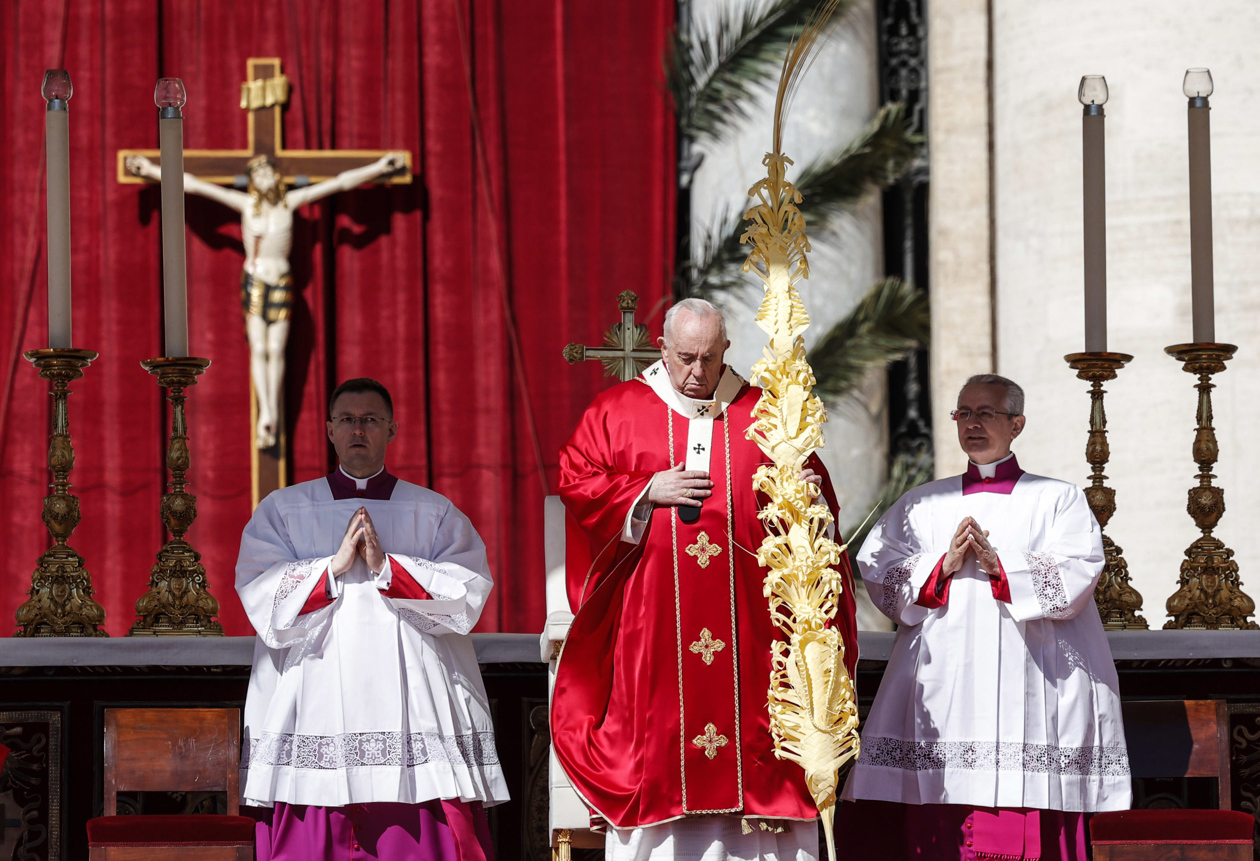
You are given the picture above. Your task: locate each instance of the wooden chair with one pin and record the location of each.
(1176, 739)
(155, 750)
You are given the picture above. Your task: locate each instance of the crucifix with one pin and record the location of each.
(626, 349)
(258, 176)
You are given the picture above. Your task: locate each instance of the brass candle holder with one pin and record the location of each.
(178, 602)
(1118, 602)
(60, 602)
(1209, 595)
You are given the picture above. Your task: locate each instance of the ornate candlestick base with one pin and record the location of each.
(61, 602)
(1209, 595)
(178, 602)
(1118, 602)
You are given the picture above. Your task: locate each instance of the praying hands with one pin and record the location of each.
(360, 540)
(970, 538)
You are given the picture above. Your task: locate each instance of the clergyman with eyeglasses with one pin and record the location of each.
(367, 727)
(996, 730)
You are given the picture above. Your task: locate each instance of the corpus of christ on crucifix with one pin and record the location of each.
(719, 431)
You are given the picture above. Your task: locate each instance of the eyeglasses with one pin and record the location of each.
(985, 416)
(365, 422)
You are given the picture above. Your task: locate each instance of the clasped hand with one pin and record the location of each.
(970, 539)
(360, 540)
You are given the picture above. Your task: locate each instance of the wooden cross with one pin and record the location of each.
(710, 741)
(706, 646)
(703, 550)
(263, 97)
(626, 350)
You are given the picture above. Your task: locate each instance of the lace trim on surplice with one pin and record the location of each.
(358, 749)
(995, 756)
(1048, 585)
(894, 580)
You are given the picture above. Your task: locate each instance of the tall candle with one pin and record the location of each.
(170, 97)
(1197, 87)
(1093, 95)
(57, 91)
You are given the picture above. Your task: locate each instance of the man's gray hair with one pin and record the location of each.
(1014, 394)
(699, 307)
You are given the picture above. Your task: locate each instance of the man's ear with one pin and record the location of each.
(328, 430)
(1019, 426)
(393, 431)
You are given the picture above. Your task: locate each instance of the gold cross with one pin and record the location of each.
(710, 741)
(626, 349)
(703, 550)
(706, 646)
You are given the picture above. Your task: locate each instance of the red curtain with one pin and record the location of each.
(543, 145)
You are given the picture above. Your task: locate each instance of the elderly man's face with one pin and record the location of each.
(360, 429)
(987, 433)
(693, 354)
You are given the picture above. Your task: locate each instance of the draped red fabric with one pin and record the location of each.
(543, 145)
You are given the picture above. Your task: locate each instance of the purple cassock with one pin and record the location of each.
(432, 831)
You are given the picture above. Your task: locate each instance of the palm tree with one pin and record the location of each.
(714, 77)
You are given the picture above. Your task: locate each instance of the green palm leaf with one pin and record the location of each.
(881, 152)
(890, 320)
(715, 74)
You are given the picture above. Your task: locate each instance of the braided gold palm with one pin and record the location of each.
(813, 709)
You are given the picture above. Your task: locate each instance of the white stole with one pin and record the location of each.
(698, 413)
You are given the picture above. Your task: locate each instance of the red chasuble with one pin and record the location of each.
(659, 708)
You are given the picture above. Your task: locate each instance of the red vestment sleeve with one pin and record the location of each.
(935, 592)
(1000, 585)
(319, 596)
(403, 585)
(598, 496)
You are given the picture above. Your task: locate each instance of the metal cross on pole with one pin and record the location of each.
(626, 349)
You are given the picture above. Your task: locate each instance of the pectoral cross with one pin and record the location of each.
(263, 97)
(626, 350)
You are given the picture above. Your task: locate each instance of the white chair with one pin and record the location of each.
(569, 819)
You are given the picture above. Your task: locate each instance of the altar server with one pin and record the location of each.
(659, 714)
(367, 726)
(997, 725)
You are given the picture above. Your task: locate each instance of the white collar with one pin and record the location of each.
(989, 470)
(360, 483)
(728, 388)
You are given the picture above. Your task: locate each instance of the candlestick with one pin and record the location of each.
(60, 602)
(57, 90)
(170, 98)
(1117, 601)
(1209, 594)
(1198, 86)
(178, 602)
(1093, 95)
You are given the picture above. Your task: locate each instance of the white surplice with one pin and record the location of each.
(986, 703)
(369, 699)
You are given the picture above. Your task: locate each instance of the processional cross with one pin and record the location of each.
(263, 97)
(626, 349)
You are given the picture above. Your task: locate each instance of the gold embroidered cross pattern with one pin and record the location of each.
(703, 550)
(706, 646)
(710, 741)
